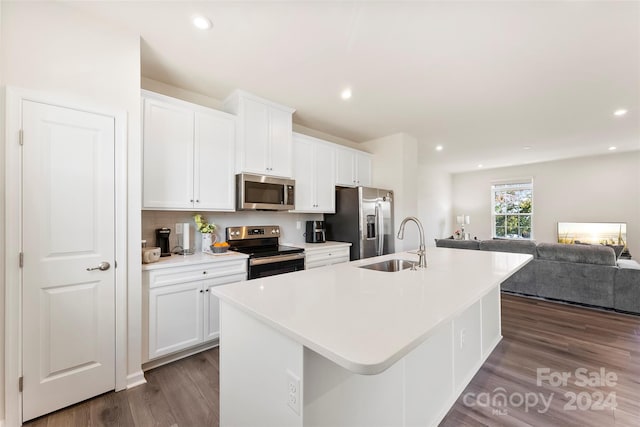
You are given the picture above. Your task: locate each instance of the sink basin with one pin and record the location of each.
(390, 265)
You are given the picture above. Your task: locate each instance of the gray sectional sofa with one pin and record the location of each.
(584, 274)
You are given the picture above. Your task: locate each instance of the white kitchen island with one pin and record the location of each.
(348, 346)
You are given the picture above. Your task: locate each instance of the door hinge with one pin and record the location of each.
(21, 137)
(21, 259)
(20, 384)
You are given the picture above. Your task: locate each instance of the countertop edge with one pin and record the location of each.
(195, 259)
(361, 367)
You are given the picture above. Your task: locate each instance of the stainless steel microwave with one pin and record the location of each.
(259, 192)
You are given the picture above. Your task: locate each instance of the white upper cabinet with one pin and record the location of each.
(188, 156)
(167, 155)
(213, 161)
(353, 167)
(314, 173)
(264, 135)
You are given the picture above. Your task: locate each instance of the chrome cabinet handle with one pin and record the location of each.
(103, 266)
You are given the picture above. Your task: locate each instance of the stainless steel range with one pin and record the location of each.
(266, 256)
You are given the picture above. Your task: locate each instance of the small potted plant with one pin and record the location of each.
(207, 229)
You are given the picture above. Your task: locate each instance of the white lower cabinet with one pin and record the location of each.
(326, 255)
(181, 311)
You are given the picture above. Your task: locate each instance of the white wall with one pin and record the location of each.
(2, 206)
(395, 167)
(434, 202)
(602, 188)
(53, 48)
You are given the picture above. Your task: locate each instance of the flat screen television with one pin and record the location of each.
(603, 233)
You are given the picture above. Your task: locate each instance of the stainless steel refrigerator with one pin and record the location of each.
(364, 217)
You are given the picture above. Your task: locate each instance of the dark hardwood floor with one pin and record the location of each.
(537, 335)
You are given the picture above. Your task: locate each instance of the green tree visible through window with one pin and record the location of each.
(512, 210)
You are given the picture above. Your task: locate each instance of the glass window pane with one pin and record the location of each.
(525, 233)
(512, 201)
(525, 201)
(499, 202)
(525, 221)
(499, 226)
(512, 225)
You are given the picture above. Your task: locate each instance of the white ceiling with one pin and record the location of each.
(484, 79)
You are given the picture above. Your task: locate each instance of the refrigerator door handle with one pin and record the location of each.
(380, 227)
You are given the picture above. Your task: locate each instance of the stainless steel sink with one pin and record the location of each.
(390, 265)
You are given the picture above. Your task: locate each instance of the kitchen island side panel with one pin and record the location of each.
(255, 363)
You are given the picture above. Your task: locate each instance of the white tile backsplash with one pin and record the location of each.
(151, 220)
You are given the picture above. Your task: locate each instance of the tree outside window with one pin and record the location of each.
(512, 210)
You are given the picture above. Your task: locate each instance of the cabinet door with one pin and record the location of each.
(279, 162)
(363, 169)
(304, 175)
(175, 318)
(255, 144)
(345, 162)
(214, 159)
(212, 304)
(325, 188)
(211, 313)
(167, 156)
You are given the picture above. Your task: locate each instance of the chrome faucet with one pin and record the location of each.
(422, 253)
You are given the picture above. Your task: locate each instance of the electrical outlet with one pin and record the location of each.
(298, 225)
(179, 228)
(463, 337)
(293, 392)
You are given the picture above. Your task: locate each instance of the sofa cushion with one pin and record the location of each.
(630, 264)
(582, 254)
(576, 282)
(458, 244)
(513, 246)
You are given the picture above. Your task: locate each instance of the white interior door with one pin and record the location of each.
(68, 311)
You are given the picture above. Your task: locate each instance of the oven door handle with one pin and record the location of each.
(276, 258)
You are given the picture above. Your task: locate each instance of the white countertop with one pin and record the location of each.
(324, 245)
(366, 320)
(197, 258)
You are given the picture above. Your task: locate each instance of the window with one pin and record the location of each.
(512, 209)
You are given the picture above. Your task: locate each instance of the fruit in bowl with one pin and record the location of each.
(219, 247)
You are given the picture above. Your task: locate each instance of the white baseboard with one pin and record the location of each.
(179, 355)
(134, 380)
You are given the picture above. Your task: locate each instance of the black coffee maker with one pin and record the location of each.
(162, 241)
(315, 232)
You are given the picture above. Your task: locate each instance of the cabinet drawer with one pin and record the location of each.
(170, 276)
(326, 256)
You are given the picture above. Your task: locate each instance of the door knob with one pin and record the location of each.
(103, 266)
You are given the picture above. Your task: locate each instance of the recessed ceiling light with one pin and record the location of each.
(480, 165)
(202, 22)
(346, 94)
(620, 112)
(526, 147)
(612, 148)
(439, 148)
